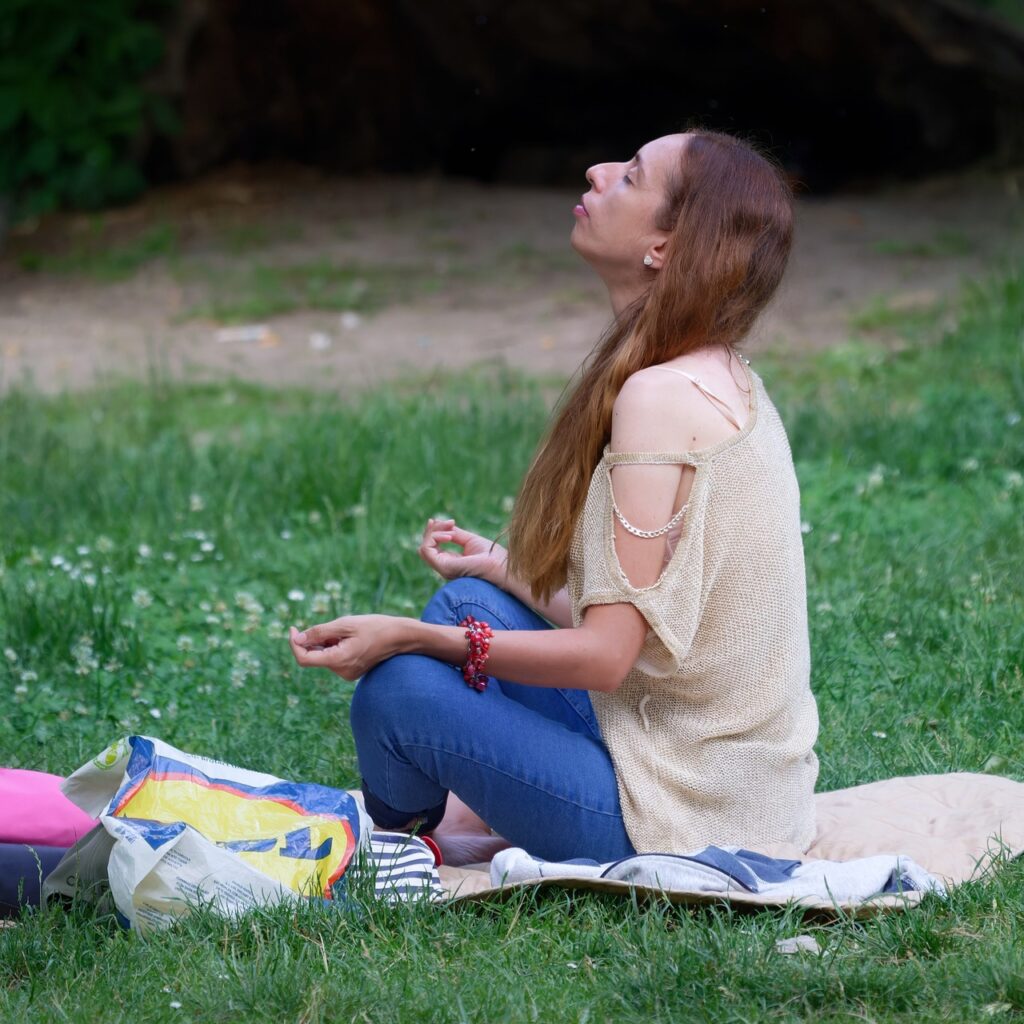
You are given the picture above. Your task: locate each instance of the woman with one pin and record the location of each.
(659, 527)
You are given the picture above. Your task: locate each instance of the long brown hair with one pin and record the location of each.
(729, 213)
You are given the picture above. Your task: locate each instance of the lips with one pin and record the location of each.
(580, 209)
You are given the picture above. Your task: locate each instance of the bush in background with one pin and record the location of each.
(73, 101)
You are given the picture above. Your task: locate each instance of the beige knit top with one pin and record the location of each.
(712, 731)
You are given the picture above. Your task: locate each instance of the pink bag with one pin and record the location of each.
(34, 810)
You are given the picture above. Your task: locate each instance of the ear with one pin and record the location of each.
(657, 249)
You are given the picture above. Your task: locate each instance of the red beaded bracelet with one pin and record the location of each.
(478, 637)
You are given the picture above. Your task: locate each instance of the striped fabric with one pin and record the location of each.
(402, 868)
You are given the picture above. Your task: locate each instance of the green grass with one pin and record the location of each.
(96, 257)
(158, 540)
(945, 243)
(258, 290)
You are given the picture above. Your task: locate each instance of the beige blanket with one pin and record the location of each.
(956, 826)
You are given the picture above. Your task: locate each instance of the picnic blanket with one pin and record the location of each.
(933, 831)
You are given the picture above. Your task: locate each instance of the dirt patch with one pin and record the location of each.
(354, 282)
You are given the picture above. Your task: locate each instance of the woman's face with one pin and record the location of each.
(615, 221)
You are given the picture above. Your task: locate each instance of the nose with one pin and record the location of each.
(597, 175)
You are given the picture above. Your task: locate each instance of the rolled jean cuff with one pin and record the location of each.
(386, 817)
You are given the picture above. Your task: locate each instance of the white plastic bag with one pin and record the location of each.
(188, 831)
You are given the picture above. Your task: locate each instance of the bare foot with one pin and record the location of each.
(464, 837)
(459, 850)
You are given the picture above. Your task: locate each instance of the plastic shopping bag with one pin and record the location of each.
(185, 831)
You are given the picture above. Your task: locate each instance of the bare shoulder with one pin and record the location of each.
(653, 413)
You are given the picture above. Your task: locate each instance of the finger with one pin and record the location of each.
(310, 657)
(323, 635)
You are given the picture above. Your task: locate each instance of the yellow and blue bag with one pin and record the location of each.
(185, 831)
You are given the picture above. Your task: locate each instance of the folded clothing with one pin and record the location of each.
(34, 810)
(724, 869)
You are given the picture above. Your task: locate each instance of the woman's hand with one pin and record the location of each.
(349, 646)
(479, 556)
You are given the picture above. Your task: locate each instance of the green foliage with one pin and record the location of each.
(104, 261)
(72, 100)
(157, 542)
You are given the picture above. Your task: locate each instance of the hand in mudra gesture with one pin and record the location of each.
(349, 646)
(479, 556)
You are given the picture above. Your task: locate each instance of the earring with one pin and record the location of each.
(648, 260)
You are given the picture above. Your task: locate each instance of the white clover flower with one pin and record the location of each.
(145, 551)
(142, 598)
(246, 665)
(169, 556)
(57, 561)
(357, 511)
(84, 656)
(197, 557)
(969, 465)
(28, 676)
(824, 606)
(248, 603)
(1014, 479)
(508, 503)
(83, 549)
(34, 557)
(879, 735)
(321, 604)
(111, 665)
(1012, 419)
(314, 517)
(207, 546)
(876, 477)
(89, 579)
(291, 700)
(104, 544)
(185, 643)
(296, 595)
(155, 713)
(889, 639)
(11, 654)
(196, 503)
(834, 538)
(333, 587)
(805, 527)
(21, 689)
(286, 535)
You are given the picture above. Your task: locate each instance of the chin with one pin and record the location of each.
(578, 244)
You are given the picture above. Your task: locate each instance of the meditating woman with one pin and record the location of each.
(659, 529)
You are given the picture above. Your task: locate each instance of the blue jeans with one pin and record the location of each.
(528, 759)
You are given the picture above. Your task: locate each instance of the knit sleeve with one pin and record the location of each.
(671, 604)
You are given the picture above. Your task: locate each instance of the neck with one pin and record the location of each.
(623, 294)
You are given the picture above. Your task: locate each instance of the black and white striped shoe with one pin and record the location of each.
(403, 867)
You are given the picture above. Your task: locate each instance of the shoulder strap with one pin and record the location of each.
(717, 402)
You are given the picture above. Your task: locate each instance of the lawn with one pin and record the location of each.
(158, 540)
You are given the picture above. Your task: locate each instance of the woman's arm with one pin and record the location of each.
(595, 656)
